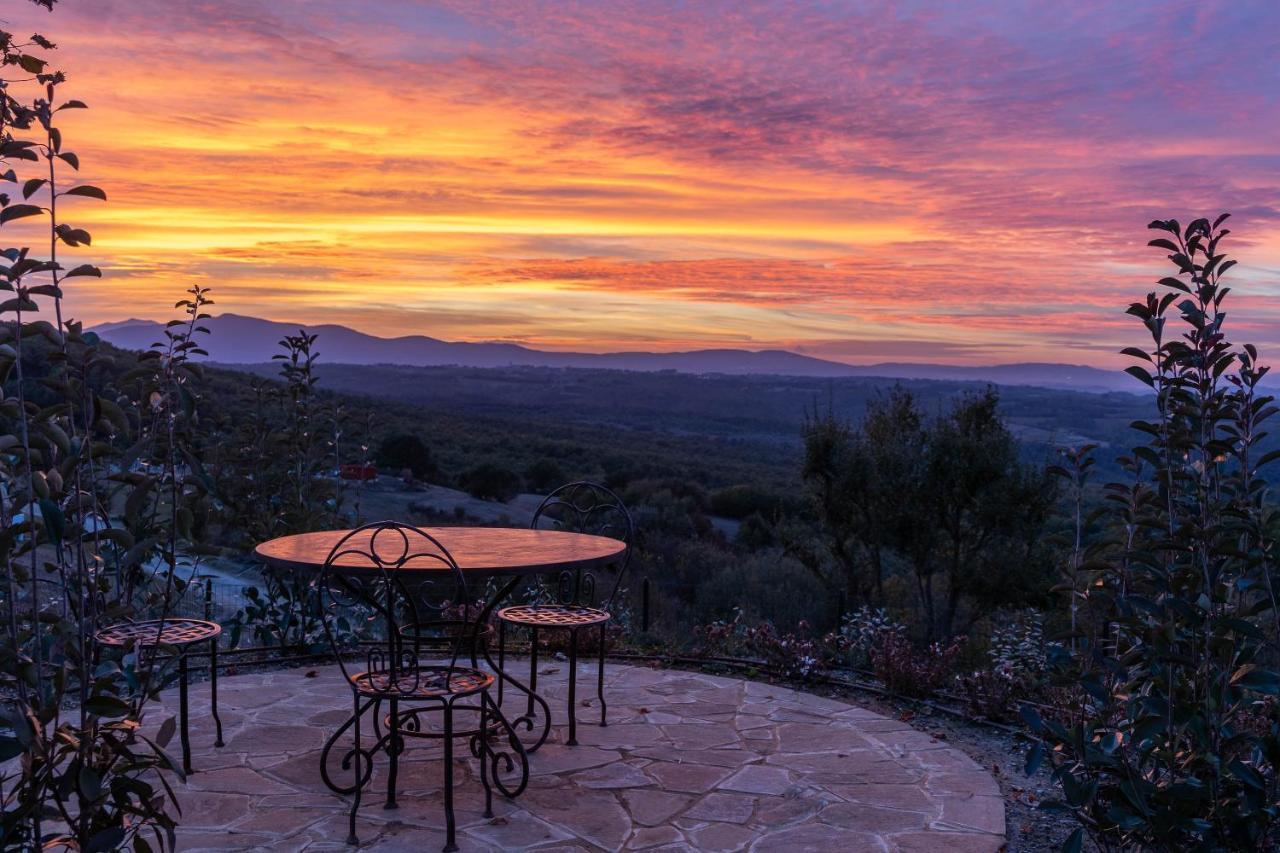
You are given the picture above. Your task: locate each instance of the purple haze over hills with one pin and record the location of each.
(236, 339)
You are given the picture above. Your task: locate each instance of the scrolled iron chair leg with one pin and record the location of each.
(451, 843)
(502, 657)
(213, 690)
(604, 708)
(358, 757)
(482, 741)
(533, 668)
(184, 711)
(573, 687)
(393, 753)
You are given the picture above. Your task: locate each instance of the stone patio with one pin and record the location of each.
(688, 761)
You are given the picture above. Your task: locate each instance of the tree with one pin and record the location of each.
(405, 450)
(489, 482)
(982, 511)
(946, 498)
(544, 475)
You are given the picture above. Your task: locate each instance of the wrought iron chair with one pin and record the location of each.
(174, 634)
(375, 565)
(581, 507)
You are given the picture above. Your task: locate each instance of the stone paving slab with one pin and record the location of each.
(688, 762)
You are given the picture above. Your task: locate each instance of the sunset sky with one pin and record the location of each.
(920, 181)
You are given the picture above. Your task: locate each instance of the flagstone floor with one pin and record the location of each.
(688, 762)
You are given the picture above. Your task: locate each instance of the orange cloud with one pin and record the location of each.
(607, 174)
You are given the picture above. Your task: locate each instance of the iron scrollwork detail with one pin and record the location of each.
(498, 764)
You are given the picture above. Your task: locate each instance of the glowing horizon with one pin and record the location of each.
(859, 182)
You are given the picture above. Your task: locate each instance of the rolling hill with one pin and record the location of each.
(236, 339)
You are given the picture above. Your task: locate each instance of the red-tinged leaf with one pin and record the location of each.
(87, 191)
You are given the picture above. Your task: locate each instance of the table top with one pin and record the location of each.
(476, 550)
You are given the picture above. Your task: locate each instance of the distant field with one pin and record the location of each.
(719, 428)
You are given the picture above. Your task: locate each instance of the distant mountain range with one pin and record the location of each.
(236, 339)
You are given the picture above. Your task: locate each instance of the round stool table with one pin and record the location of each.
(176, 633)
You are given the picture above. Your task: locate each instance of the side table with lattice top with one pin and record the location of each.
(177, 634)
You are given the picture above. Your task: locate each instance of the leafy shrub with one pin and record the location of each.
(861, 630)
(767, 585)
(287, 613)
(993, 694)
(543, 475)
(1018, 648)
(1171, 648)
(797, 654)
(910, 671)
(742, 500)
(721, 638)
(405, 450)
(1018, 663)
(755, 533)
(489, 482)
(103, 482)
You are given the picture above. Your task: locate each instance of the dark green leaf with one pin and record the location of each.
(1035, 755)
(106, 706)
(106, 840)
(1248, 775)
(55, 523)
(167, 728)
(90, 782)
(86, 190)
(18, 211)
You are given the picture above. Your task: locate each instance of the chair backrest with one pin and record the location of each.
(373, 567)
(586, 507)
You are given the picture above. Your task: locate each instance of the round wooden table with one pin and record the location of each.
(476, 550)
